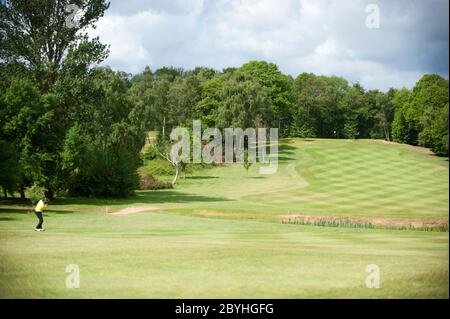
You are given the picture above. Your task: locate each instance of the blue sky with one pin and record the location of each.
(327, 37)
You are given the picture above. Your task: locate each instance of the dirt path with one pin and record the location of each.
(135, 209)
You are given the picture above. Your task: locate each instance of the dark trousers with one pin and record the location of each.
(41, 219)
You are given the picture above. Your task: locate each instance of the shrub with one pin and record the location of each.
(151, 153)
(35, 193)
(157, 167)
(150, 182)
(100, 168)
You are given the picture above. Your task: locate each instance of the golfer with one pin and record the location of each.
(43, 203)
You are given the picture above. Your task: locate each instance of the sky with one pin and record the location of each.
(329, 37)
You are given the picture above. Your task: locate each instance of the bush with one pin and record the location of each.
(157, 167)
(111, 174)
(107, 170)
(151, 153)
(150, 182)
(35, 193)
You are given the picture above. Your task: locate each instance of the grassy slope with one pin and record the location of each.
(180, 255)
(329, 178)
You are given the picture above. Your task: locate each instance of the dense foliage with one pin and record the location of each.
(68, 125)
(258, 95)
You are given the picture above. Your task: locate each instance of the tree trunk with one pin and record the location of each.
(164, 126)
(22, 192)
(386, 134)
(176, 173)
(5, 193)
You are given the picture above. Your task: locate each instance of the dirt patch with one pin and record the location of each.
(135, 209)
(362, 221)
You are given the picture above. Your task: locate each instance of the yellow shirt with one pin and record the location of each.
(40, 206)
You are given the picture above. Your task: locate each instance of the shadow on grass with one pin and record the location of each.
(285, 148)
(165, 196)
(4, 219)
(285, 159)
(201, 177)
(29, 210)
(16, 202)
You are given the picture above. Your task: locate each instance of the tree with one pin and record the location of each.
(355, 112)
(315, 105)
(10, 169)
(429, 95)
(381, 113)
(165, 151)
(247, 164)
(278, 86)
(428, 101)
(160, 106)
(400, 127)
(55, 56)
(244, 103)
(170, 73)
(351, 129)
(440, 132)
(420, 115)
(210, 99)
(435, 131)
(141, 95)
(101, 153)
(36, 34)
(182, 97)
(25, 121)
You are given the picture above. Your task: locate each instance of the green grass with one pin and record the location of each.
(219, 234)
(329, 178)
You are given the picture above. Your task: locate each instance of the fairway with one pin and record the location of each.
(220, 233)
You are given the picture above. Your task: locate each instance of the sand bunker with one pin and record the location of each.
(135, 209)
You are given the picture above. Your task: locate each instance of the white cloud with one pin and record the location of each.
(321, 36)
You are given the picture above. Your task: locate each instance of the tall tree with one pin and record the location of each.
(41, 41)
(356, 115)
(315, 105)
(101, 153)
(183, 96)
(381, 113)
(244, 103)
(419, 113)
(400, 126)
(42, 35)
(278, 85)
(160, 107)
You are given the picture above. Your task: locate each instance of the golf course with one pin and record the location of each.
(310, 230)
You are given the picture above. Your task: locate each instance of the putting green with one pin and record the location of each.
(218, 234)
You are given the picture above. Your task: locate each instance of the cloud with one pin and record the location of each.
(322, 36)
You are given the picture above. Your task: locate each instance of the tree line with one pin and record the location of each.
(258, 94)
(68, 125)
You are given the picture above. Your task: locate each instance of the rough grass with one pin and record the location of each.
(364, 223)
